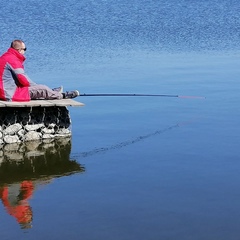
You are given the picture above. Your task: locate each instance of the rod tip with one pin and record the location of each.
(192, 97)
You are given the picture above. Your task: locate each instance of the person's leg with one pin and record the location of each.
(43, 92)
(58, 89)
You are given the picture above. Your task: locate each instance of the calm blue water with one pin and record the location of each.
(136, 167)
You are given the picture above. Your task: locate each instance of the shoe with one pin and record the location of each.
(72, 94)
(58, 89)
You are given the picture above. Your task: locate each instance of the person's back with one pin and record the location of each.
(2, 67)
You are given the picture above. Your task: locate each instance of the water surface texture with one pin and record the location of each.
(136, 167)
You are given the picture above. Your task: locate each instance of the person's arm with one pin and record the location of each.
(22, 79)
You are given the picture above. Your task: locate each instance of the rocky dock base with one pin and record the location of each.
(18, 124)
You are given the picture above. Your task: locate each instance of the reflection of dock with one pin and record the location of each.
(25, 166)
(36, 159)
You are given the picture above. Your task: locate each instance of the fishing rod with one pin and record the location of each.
(133, 95)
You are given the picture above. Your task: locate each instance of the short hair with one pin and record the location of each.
(16, 44)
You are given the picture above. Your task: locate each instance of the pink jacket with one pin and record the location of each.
(14, 82)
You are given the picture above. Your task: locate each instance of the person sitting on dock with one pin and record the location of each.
(15, 85)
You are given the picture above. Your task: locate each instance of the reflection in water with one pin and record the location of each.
(25, 166)
(15, 200)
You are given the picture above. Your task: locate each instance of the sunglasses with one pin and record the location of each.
(24, 49)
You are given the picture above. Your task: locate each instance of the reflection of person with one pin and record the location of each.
(15, 85)
(16, 202)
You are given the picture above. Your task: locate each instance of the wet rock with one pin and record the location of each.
(21, 133)
(12, 129)
(11, 147)
(32, 146)
(33, 127)
(11, 139)
(45, 136)
(13, 155)
(32, 135)
(34, 154)
(48, 130)
(63, 132)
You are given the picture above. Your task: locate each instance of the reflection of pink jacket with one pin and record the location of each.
(22, 211)
(14, 82)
